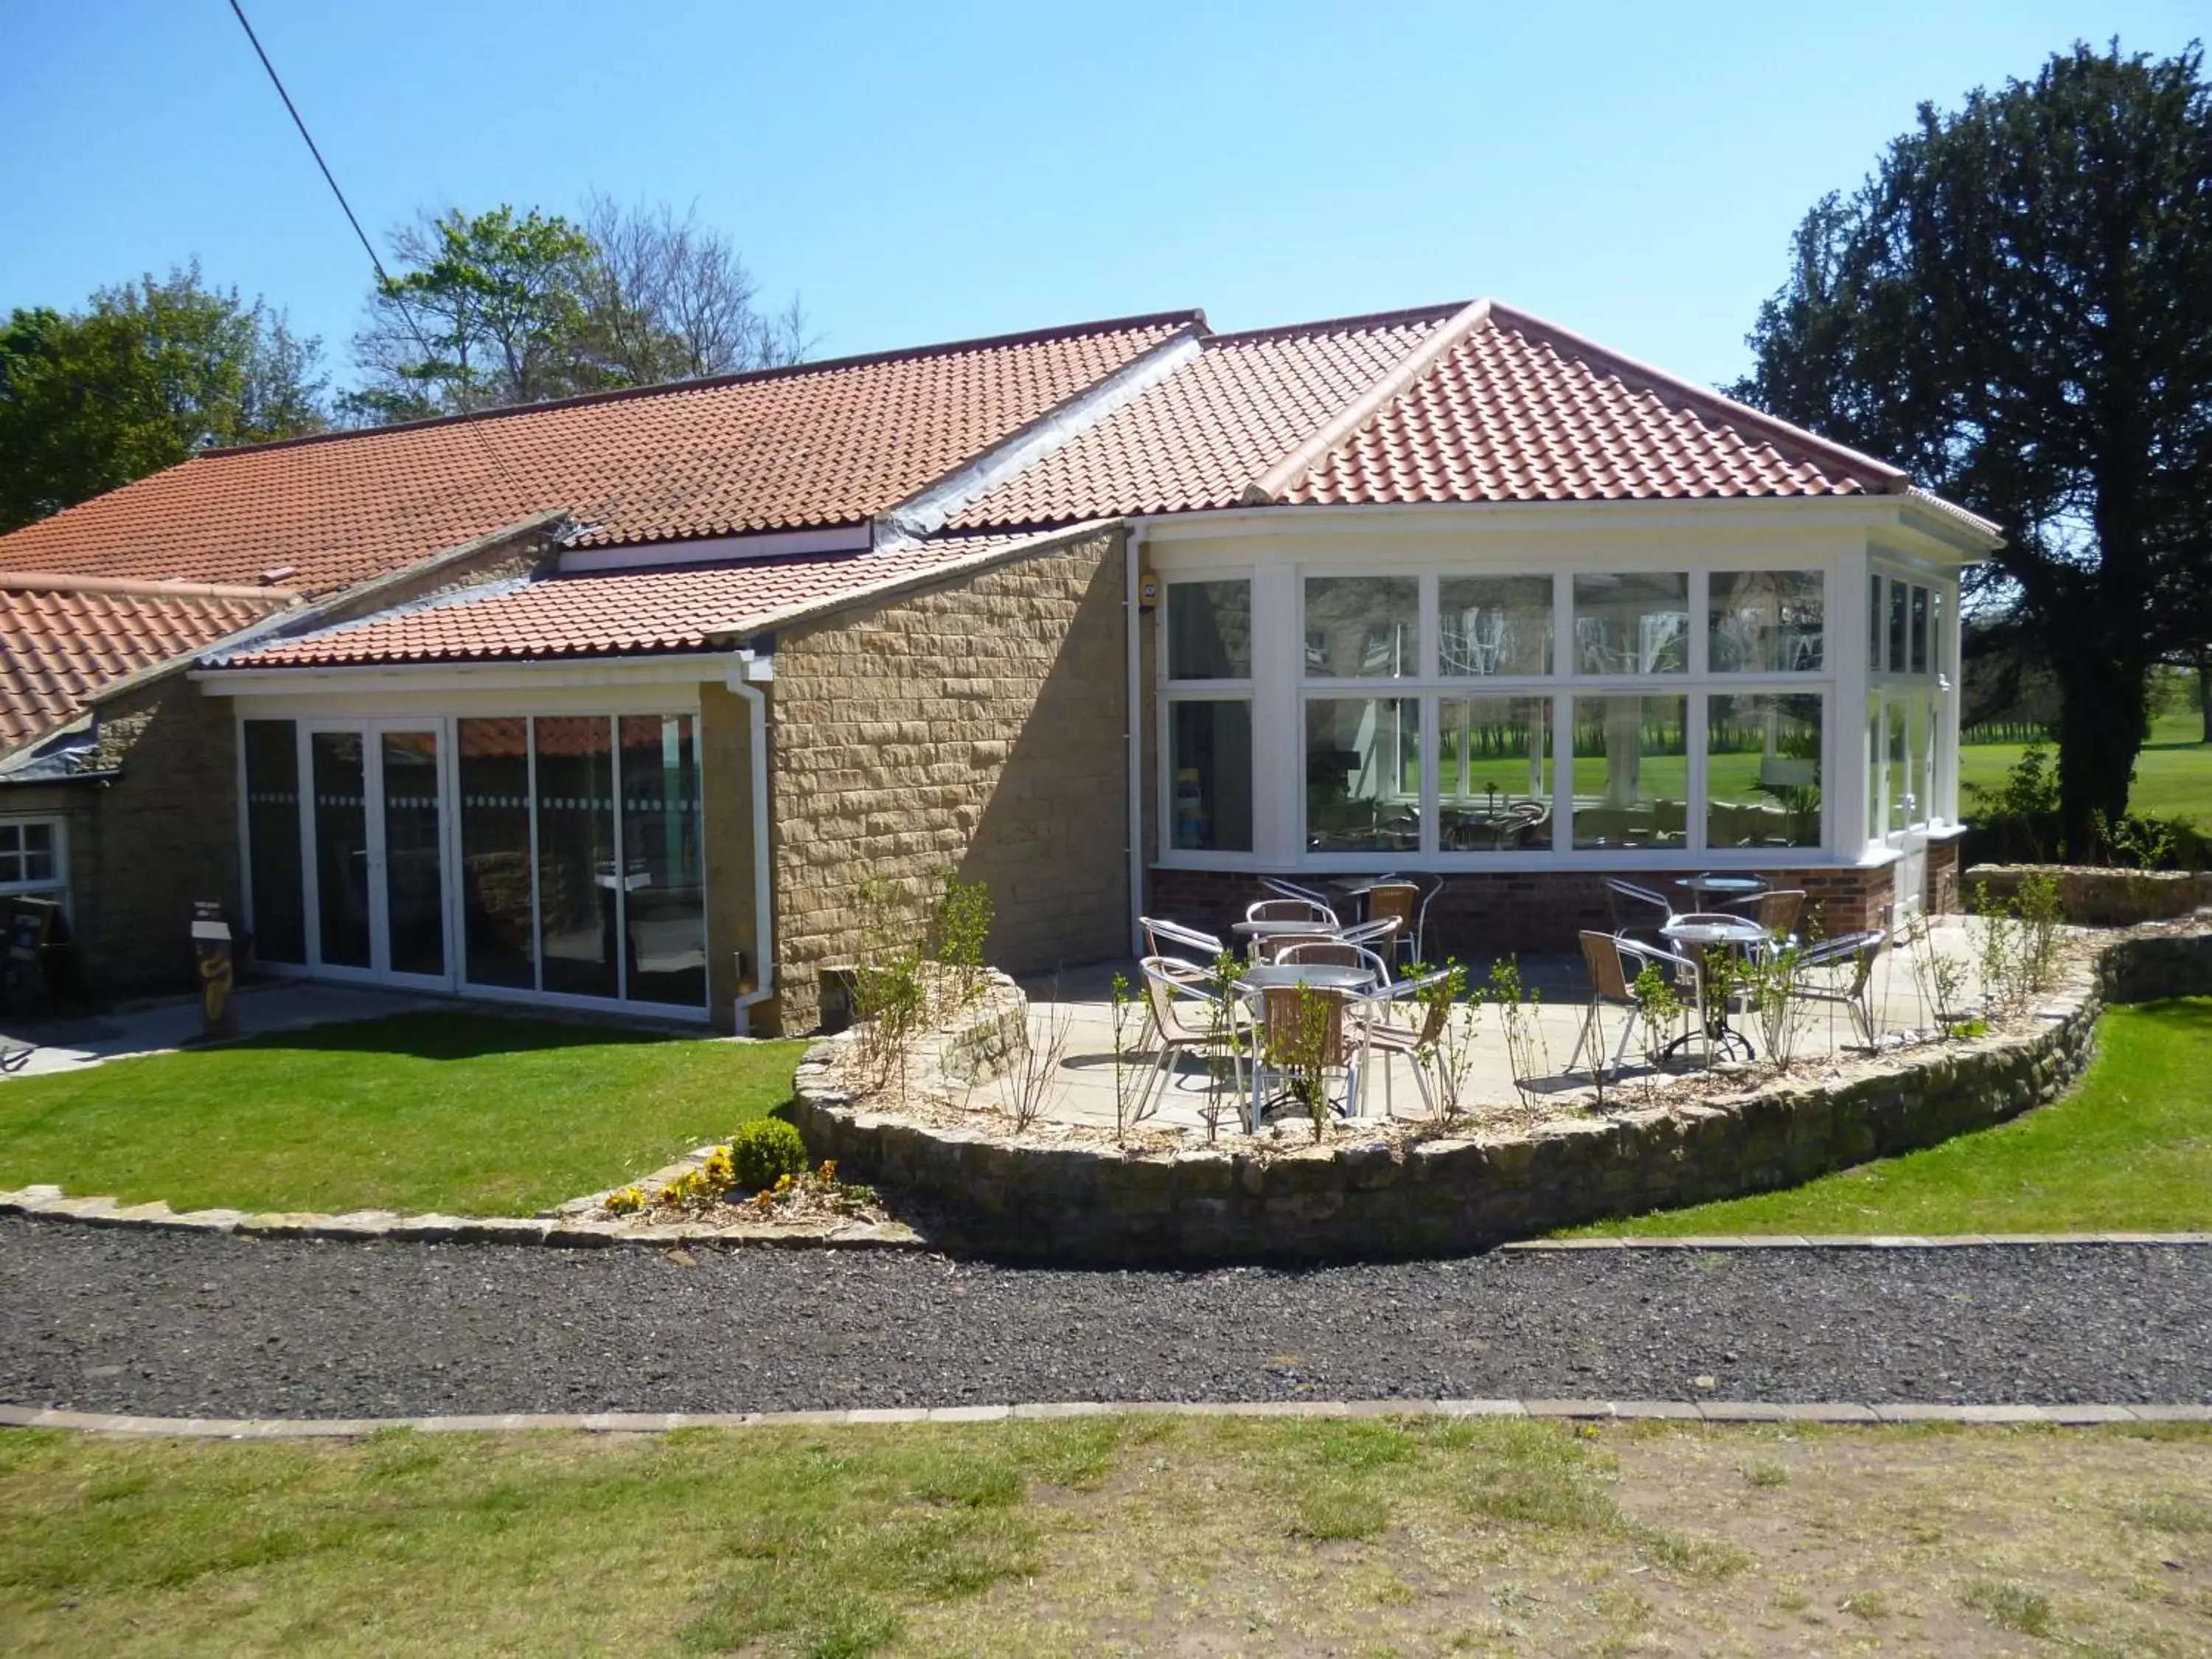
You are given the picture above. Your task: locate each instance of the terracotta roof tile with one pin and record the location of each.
(823, 444)
(1519, 411)
(606, 613)
(1197, 438)
(59, 647)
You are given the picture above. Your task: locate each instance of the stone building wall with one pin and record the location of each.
(978, 726)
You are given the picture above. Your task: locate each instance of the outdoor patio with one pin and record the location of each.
(1084, 1090)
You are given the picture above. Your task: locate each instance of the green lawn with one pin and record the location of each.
(2173, 774)
(452, 1112)
(2129, 1150)
(1115, 1535)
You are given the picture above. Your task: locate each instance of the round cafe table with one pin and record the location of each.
(1697, 938)
(1724, 887)
(1322, 975)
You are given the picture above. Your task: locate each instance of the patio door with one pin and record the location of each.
(372, 815)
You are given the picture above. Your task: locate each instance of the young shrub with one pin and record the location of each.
(958, 926)
(764, 1151)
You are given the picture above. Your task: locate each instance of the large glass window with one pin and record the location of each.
(1363, 775)
(1919, 630)
(1634, 623)
(1210, 630)
(1762, 771)
(496, 887)
(1631, 772)
(666, 904)
(576, 873)
(1363, 626)
(1494, 625)
(1877, 812)
(1873, 623)
(1900, 605)
(1903, 805)
(272, 836)
(1765, 622)
(1494, 775)
(1210, 768)
(414, 854)
(339, 766)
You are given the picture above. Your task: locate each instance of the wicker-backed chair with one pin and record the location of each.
(1177, 1010)
(1613, 964)
(1415, 1041)
(1841, 971)
(1282, 1008)
(1336, 953)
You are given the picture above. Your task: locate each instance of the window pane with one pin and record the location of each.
(1631, 771)
(1210, 630)
(1762, 771)
(1210, 757)
(1495, 624)
(1897, 747)
(272, 840)
(667, 900)
(414, 857)
(1898, 602)
(1877, 812)
(576, 854)
(338, 763)
(1936, 661)
(1873, 623)
(1632, 625)
(495, 784)
(1494, 774)
(1364, 626)
(38, 859)
(1363, 775)
(1924, 747)
(1767, 621)
(1919, 630)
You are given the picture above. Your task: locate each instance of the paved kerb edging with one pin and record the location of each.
(47, 1203)
(1681, 1411)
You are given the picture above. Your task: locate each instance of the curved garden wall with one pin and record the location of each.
(1442, 1196)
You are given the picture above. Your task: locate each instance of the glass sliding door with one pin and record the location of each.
(578, 884)
(273, 838)
(493, 759)
(338, 763)
(665, 891)
(413, 854)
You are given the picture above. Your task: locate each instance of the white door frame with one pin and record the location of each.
(370, 730)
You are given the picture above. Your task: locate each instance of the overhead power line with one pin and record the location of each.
(384, 281)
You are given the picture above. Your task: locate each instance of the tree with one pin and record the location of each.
(2017, 307)
(503, 308)
(153, 372)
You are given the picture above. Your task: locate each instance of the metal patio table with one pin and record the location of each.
(1699, 937)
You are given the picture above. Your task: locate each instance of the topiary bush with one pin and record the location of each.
(763, 1152)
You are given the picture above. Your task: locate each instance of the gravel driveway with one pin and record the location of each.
(175, 1324)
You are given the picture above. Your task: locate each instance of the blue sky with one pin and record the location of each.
(918, 174)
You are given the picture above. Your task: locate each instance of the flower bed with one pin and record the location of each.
(1430, 1190)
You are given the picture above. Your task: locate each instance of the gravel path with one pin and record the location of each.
(176, 1324)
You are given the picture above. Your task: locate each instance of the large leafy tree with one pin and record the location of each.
(2017, 306)
(150, 372)
(507, 308)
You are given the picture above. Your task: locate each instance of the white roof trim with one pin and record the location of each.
(717, 550)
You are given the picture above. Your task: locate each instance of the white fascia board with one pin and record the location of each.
(674, 668)
(924, 513)
(1455, 518)
(717, 550)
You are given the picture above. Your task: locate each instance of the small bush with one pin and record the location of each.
(763, 1152)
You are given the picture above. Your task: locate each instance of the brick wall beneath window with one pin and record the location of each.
(1481, 913)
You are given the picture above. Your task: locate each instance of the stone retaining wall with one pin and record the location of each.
(1237, 1202)
(2102, 897)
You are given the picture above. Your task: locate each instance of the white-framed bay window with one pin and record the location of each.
(1494, 717)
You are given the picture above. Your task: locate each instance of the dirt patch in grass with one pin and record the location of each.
(1119, 1536)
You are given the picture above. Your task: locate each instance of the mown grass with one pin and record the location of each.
(446, 1111)
(2129, 1149)
(2173, 773)
(1107, 1535)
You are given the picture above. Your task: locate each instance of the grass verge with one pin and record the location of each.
(456, 1112)
(2127, 1150)
(1114, 1535)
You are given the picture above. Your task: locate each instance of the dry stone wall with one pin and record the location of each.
(2099, 897)
(1238, 1202)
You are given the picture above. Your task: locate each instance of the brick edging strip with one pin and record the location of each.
(359, 1226)
(1688, 1411)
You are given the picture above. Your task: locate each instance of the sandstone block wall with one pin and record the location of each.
(2098, 897)
(980, 727)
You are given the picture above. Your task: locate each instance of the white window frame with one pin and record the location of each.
(1170, 692)
(59, 883)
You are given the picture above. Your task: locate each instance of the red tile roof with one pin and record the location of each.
(822, 444)
(61, 642)
(1517, 409)
(1197, 438)
(608, 613)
